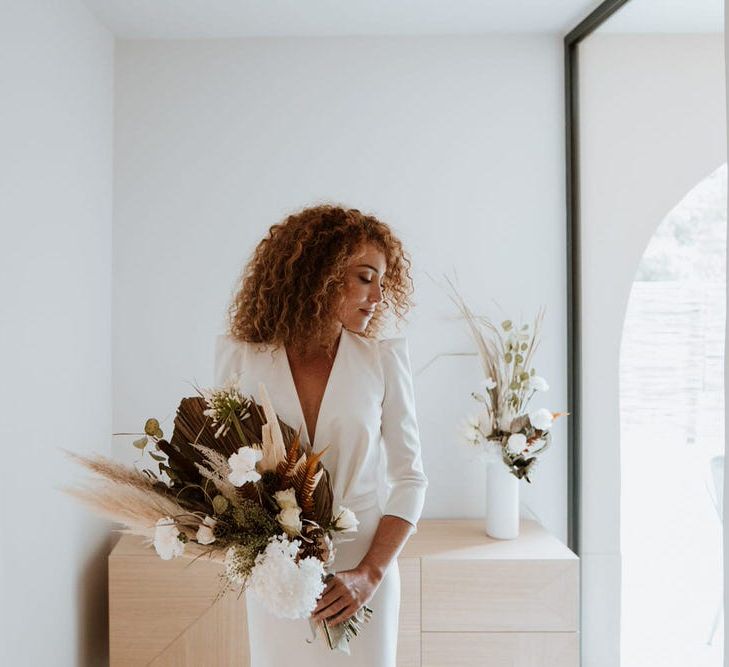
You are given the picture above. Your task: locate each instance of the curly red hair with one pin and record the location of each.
(292, 285)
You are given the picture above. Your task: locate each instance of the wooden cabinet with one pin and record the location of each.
(494, 603)
(467, 600)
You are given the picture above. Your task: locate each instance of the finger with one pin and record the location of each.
(336, 610)
(326, 608)
(341, 616)
(330, 584)
(329, 597)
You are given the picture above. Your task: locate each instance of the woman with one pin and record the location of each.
(304, 322)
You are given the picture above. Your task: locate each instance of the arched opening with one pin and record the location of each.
(672, 435)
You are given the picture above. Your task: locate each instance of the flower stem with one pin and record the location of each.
(239, 430)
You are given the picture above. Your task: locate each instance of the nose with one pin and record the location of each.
(377, 294)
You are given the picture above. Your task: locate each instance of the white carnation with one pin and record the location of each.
(346, 520)
(205, 531)
(243, 466)
(286, 588)
(541, 419)
(516, 443)
(166, 541)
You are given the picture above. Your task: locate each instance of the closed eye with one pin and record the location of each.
(364, 280)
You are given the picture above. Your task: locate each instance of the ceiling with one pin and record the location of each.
(667, 16)
(215, 19)
(204, 19)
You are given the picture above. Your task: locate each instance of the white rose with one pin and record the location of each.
(488, 383)
(541, 419)
(290, 520)
(516, 443)
(243, 466)
(286, 499)
(205, 531)
(538, 383)
(346, 520)
(166, 542)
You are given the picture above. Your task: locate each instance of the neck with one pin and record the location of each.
(323, 347)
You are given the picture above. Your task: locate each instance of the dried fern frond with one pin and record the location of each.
(305, 482)
(286, 467)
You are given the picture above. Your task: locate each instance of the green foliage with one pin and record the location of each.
(250, 518)
(690, 242)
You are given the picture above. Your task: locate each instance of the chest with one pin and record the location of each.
(310, 380)
(337, 404)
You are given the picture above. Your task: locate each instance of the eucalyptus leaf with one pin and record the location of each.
(141, 443)
(151, 426)
(157, 457)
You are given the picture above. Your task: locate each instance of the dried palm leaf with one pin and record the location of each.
(323, 498)
(274, 450)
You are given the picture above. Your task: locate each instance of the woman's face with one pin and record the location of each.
(362, 287)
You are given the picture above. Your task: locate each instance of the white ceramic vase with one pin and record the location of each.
(502, 501)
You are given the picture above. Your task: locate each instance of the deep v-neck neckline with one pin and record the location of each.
(322, 404)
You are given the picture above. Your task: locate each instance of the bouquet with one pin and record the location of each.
(504, 427)
(241, 490)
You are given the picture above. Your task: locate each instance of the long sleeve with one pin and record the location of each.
(400, 433)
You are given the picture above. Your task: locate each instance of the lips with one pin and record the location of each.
(369, 312)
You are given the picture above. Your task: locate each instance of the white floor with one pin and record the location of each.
(672, 565)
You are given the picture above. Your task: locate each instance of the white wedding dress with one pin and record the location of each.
(367, 416)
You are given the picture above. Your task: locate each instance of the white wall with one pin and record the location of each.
(55, 211)
(455, 141)
(652, 126)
